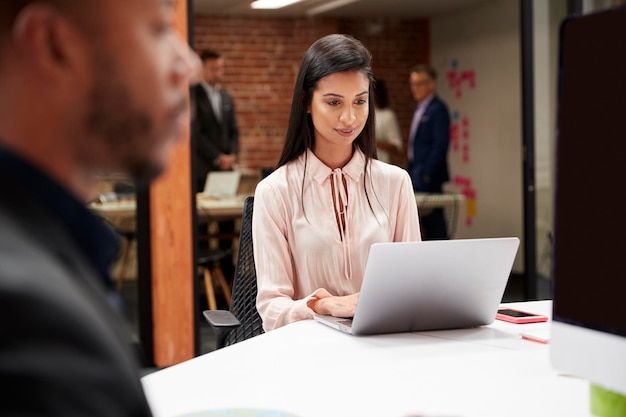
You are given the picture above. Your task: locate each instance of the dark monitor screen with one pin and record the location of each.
(589, 257)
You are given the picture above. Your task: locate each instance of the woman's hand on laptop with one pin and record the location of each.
(338, 306)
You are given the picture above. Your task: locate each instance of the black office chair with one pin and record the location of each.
(242, 321)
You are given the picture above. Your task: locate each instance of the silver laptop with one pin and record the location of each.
(222, 184)
(430, 285)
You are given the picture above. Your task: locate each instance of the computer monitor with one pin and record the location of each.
(588, 332)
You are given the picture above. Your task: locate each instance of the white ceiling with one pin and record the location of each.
(355, 9)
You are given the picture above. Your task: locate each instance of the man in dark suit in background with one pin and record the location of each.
(429, 140)
(428, 143)
(216, 136)
(74, 105)
(216, 131)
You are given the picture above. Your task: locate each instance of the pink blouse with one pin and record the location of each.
(301, 246)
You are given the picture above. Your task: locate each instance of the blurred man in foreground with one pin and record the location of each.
(87, 88)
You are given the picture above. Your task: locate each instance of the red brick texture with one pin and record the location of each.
(263, 56)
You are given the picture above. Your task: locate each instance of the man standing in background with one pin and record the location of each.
(216, 136)
(428, 143)
(216, 132)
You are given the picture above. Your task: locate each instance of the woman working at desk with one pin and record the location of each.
(329, 199)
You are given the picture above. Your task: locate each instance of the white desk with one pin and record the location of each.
(311, 371)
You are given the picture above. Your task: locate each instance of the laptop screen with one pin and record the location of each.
(222, 183)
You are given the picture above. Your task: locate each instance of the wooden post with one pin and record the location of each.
(171, 239)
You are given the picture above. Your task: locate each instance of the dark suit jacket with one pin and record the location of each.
(430, 148)
(64, 351)
(212, 137)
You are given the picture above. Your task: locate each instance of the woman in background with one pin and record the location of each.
(329, 199)
(388, 138)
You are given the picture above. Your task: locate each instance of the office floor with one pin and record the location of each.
(129, 295)
(515, 289)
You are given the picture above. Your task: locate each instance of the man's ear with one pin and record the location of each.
(50, 42)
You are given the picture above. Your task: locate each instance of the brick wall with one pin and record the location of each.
(263, 56)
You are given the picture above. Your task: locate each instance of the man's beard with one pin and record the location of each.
(126, 130)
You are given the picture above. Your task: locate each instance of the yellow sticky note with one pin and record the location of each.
(470, 207)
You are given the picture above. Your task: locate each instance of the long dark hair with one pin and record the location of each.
(328, 55)
(381, 95)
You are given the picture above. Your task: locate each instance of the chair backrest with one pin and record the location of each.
(243, 304)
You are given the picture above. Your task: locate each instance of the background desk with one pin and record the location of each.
(449, 202)
(433, 200)
(122, 215)
(312, 371)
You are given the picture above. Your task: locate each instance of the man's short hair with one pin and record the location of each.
(8, 12)
(10, 9)
(209, 54)
(426, 69)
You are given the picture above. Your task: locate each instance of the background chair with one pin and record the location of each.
(209, 262)
(242, 321)
(126, 230)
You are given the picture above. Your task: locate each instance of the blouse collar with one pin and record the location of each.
(320, 172)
